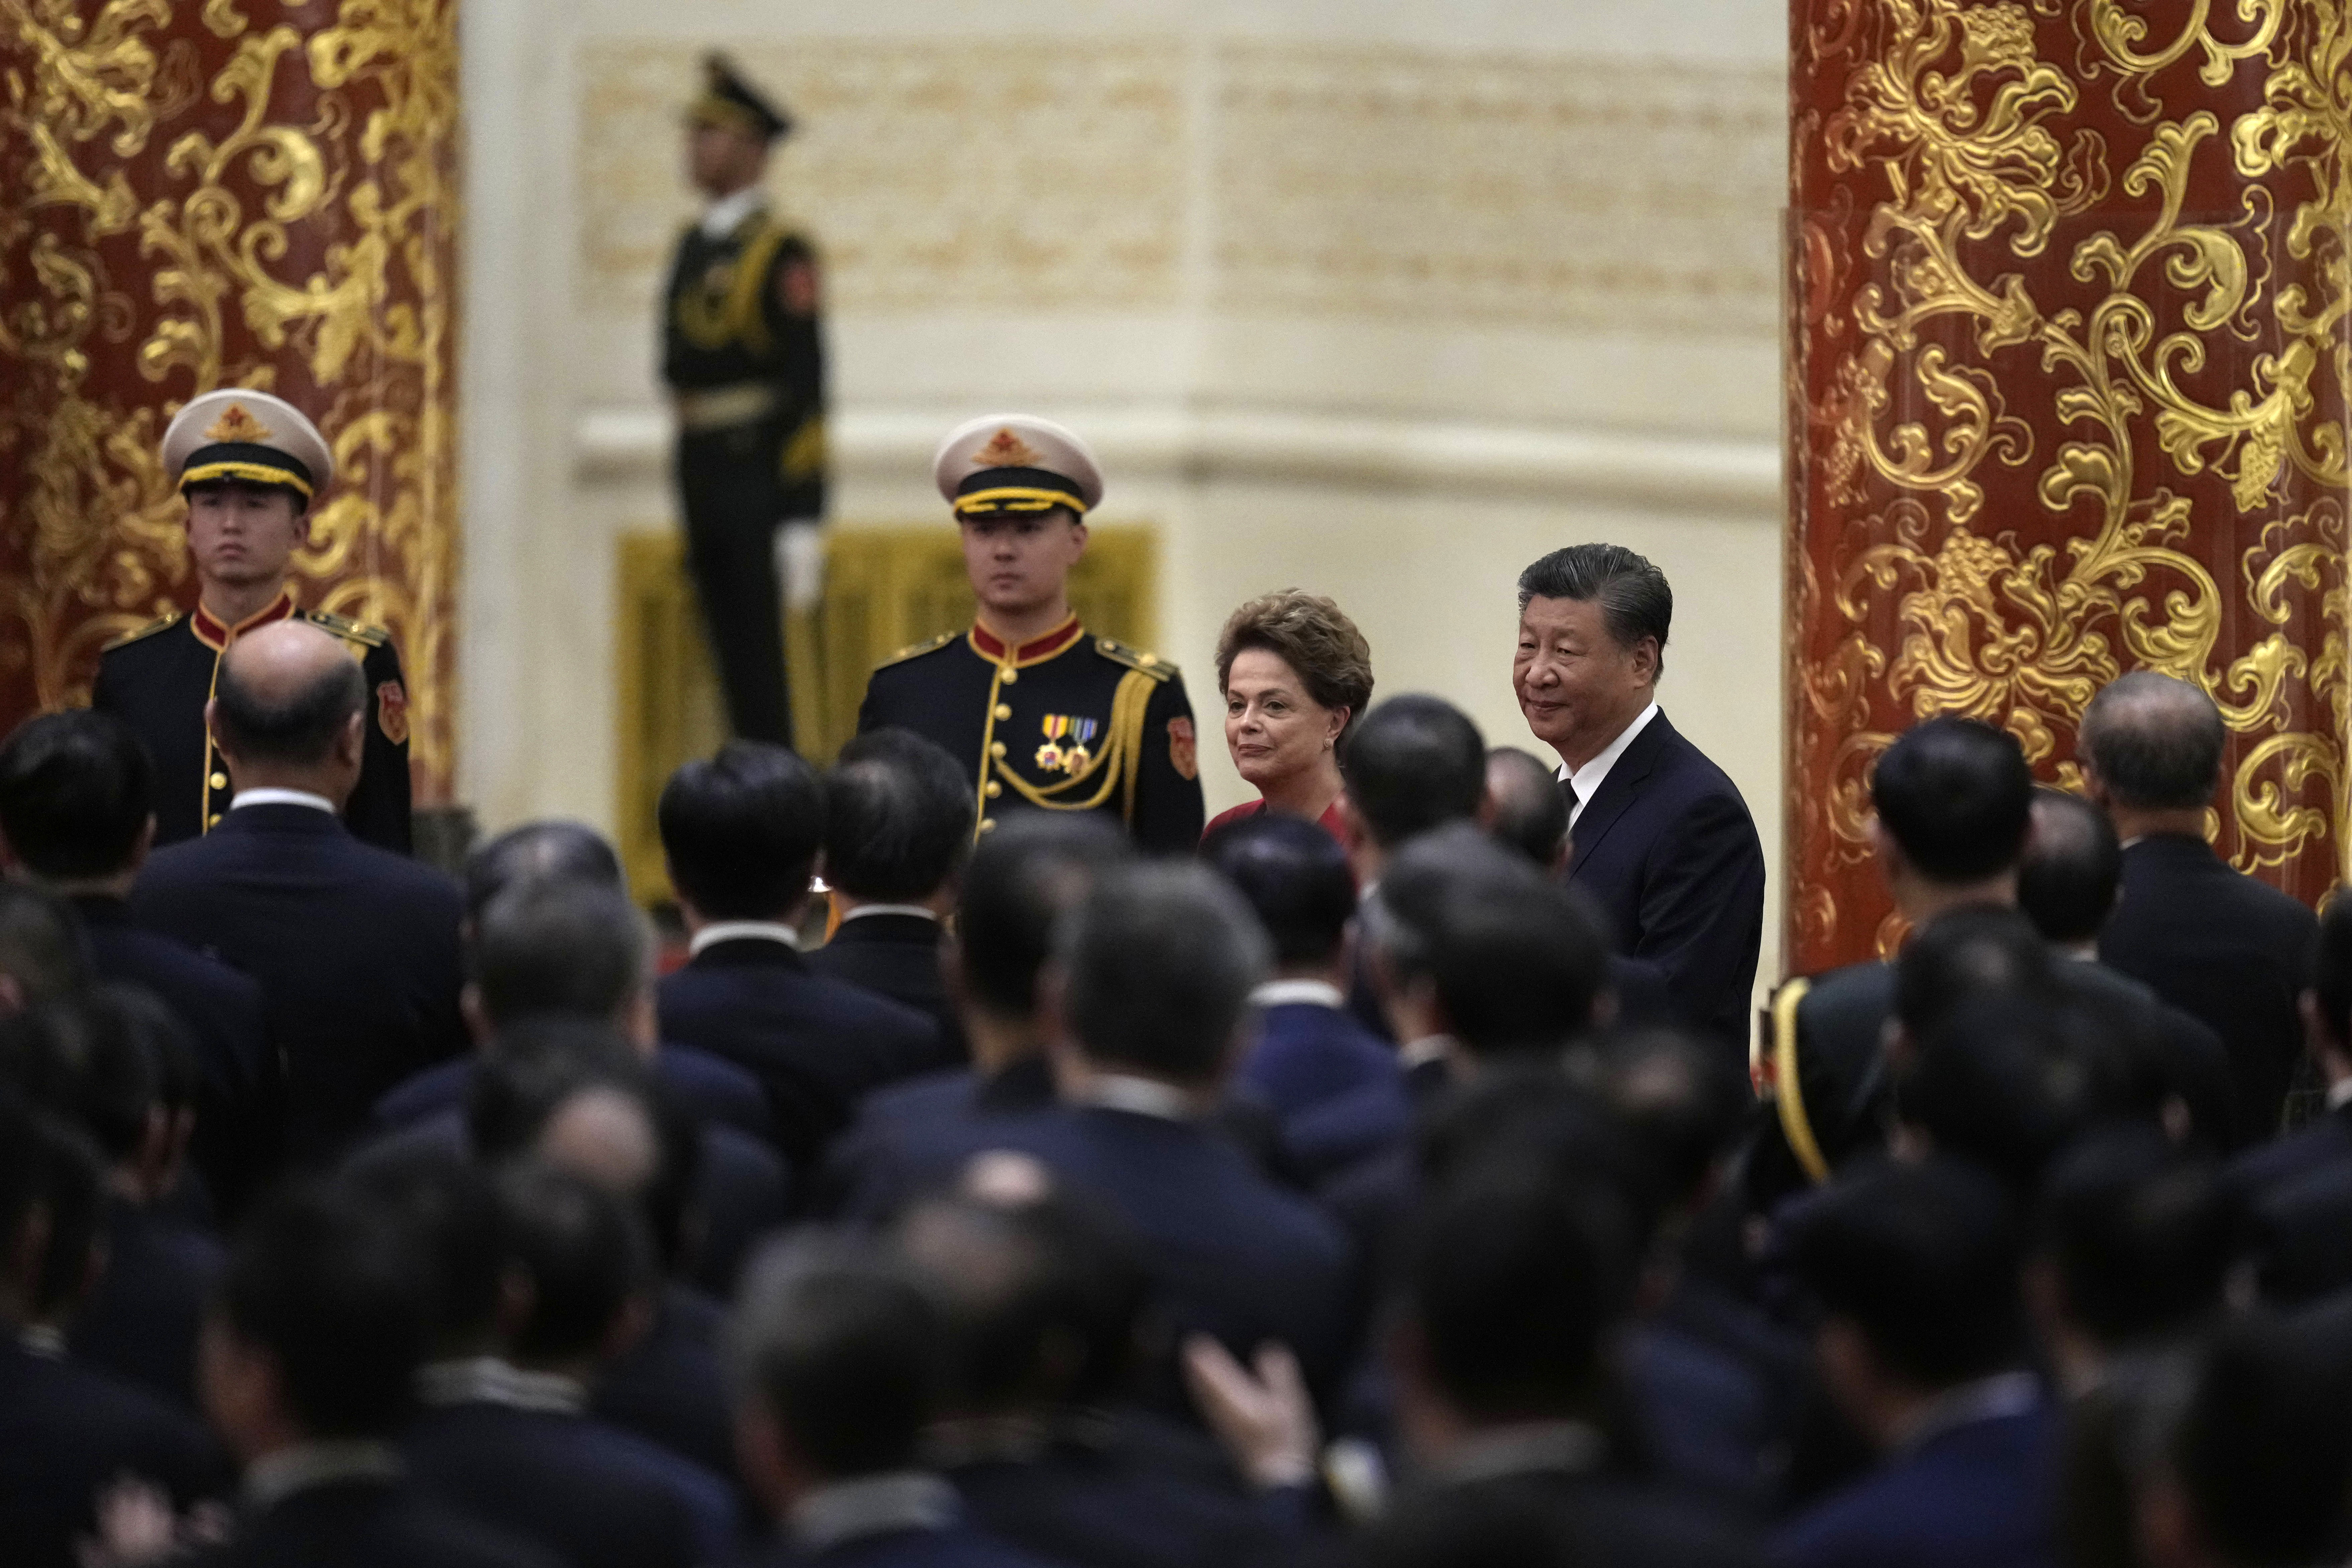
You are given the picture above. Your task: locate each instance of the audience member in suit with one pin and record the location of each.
(70, 1432)
(1662, 840)
(2210, 941)
(2324, 1006)
(1914, 1269)
(542, 1276)
(842, 1361)
(741, 833)
(561, 851)
(897, 826)
(76, 818)
(355, 948)
(41, 954)
(310, 1361)
(1309, 1052)
(1044, 1305)
(1154, 970)
(1021, 878)
(98, 1061)
(1514, 1283)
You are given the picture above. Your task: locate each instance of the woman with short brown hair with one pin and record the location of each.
(1295, 673)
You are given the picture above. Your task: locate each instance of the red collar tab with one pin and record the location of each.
(990, 646)
(213, 635)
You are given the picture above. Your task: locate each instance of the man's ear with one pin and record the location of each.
(352, 745)
(1646, 661)
(143, 845)
(477, 1016)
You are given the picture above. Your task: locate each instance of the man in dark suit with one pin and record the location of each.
(309, 1362)
(1660, 835)
(843, 1356)
(2326, 1006)
(76, 818)
(2210, 940)
(1922, 1345)
(741, 833)
(69, 1432)
(356, 948)
(898, 817)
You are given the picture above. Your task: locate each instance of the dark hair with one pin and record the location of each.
(1923, 1260)
(1968, 953)
(1530, 814)
(332, 1287)
(1635, 599)
(1022, 878)
(2156, 742)
(1681, 1099)
(539, 852)
(40, 943)
(2266, 1441)
(1295, 878)
(584, 1253)
(2330, 967)
(1159, 964)
(300, 728)
(449, 1206)
(898, 813)
(48, 1168)
(74, 794)
(2003, 1081)
(576, 948)
(844, 1349)
(1528, 1118)
(2139, 1233)
(1311, 635)
(2066, 883)
(1957, 797)
(92, 1059)
(1514, 1281)
(743, 830)
(1414, 762)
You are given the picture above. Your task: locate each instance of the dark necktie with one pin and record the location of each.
(1567, 795)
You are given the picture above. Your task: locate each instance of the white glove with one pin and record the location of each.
(800, 563)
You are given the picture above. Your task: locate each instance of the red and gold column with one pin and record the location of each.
(2067, 372)
(197, 193)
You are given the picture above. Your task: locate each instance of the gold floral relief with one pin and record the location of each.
(257, 194)
(2069, 378)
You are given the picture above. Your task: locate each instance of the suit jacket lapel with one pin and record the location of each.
(1617, 792)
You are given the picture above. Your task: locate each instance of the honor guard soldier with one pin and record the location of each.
(251, 467)
(745, 362)
(1043, 716)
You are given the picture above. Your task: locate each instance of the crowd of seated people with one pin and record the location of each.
(1326, 1197)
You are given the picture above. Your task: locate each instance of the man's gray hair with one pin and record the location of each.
(2156, 742)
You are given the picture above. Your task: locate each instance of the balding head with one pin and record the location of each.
(288, 709)
(2153, 744)
(1529, 813)
(602, 1134)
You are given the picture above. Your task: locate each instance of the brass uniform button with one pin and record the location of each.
(997, 750)
(1005, 710)
(214, 820)
(988, 825)
(220, 781)
(1011, 675)
(994, 789)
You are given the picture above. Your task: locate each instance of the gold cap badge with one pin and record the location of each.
(1006, 450)
(235, 425)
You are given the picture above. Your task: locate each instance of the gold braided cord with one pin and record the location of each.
(256, 473)
(1118, 761)
(1787, 1099)
(743, 316)
(1017, 498)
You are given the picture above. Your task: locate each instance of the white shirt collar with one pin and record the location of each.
(1588, 779)
(743, 931)
(1428, 1048)
(862, 910)
(272, 1479)
(1138, 1096)
(725, 216)
(872, 1505)
(2002, 1395)
(2339, 1093)
(1533, 1447)
(490, 1380)
(1298, 992)
(266, 796)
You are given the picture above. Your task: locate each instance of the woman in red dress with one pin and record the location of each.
(1295, 672)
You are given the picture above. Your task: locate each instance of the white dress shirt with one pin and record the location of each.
(1295, 992)
(1587, 780)
(725, 216)
(738, 931)
(266, 797)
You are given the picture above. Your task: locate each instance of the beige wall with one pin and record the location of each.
(1377, 300)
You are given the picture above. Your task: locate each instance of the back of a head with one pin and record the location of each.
(1682, 1101)
(1158, 966)
(1514, 1281)
(532, 1067)
(41, 954)
(1403, 917)
(1412, 764)
(2155, 743)
(285, 715)
(2139, 1236)
(74, 794)
(2003, 1081)
(1033, 869)
(553, 850)
(2330, 967)
(2264, 1447)
(1958, 798)
(2073, 864)
(844, 1349)
(331, 1286)
(742, 829)
(1922, 1258)
(449, 1207)
(1295, 876)
(583, 1253)
(899, 816)
(1520, 965)
(1964, 953)
(1524, 1116)
(49, 1175)
(560, 946)
(1530, 815)
(94, 1060)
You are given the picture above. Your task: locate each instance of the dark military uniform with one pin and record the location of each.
(1823, 1036)
(1067, 722)
(159, 678)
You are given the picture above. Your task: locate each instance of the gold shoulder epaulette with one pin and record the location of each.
(916, 650)
(349, 631)
(1151, 664)
(159, 623)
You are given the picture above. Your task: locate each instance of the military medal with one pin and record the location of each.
(1049, 755)
(1077, 759)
